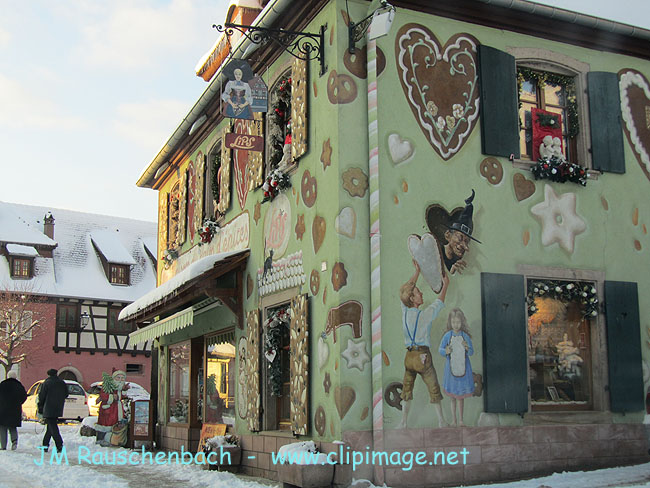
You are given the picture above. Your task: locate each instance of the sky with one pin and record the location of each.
(90, 90)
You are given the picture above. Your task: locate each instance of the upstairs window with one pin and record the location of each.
(21, 267)
(541, 94)
(116, 326)
(118, 274)
(67, 317)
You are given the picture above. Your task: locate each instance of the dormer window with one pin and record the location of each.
(119, 274)
(21, 261)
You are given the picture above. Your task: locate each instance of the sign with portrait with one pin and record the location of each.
(244, 92)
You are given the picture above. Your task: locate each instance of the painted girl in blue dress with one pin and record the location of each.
(456, 346)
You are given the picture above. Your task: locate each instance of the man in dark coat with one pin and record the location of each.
(51, 400)
(12, 397)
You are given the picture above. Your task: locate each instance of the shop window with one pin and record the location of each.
(547, 346)
(559, 344)
(67, 317)
(118, 274)
(551, 93)
(179, 382)
(116, 326)
(21, 267)
(219, 390)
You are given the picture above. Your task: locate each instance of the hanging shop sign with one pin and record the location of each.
(244, 92)
(244, 142)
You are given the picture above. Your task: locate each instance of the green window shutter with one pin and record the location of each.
(607, 151)
(505, 361)
(499, 106)
(624, 346)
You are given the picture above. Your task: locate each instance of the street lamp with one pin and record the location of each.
(85, 318)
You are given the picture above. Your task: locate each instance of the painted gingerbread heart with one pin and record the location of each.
(440, 84)
(635, 108)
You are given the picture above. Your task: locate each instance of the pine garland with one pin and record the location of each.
(559, 170)
(280, 119)
(216, 164)
(543, 78)
(568, 291)
(273, 331)
(276, 182)
(208, 230)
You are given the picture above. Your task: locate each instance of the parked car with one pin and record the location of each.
(75, 408)
(134, 392)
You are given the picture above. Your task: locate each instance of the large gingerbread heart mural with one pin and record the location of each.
(635, 108)
(440, 84)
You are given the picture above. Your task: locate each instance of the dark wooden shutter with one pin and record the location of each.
(624, 346)
(505, 360)
(253, 370)
(607, 153)
(299, 349)
(499, 106)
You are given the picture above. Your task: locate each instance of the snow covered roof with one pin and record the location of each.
(14, 228)
(75, 269)
(20, 250)
(151, 245)
(108, 243)
(193, 271)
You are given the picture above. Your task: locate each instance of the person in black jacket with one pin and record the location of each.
(51, 400)
(12, 397)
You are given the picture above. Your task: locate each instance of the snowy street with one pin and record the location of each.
(19, 469)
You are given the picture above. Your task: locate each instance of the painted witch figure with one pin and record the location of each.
(416, 325)
(456, 346)
(112, 422)
(457, 236)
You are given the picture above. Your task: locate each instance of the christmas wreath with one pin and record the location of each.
(568, 291)
(559, 170)
(207, 231)
(273, 331)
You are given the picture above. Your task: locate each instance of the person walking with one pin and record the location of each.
(51, 400)
(12, 397)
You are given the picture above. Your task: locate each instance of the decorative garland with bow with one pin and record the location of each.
(559, 170)
(273, 329)
(276, 181)
(208, 230)
(568, 291)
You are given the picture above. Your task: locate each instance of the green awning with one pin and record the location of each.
(163, 327)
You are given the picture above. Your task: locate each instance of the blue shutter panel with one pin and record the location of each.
(499, 106)
(607, 151)
(624, 346)
(505, 360)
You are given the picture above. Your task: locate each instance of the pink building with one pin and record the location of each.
(81, 270)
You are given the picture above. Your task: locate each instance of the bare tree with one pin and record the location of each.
(20, 321)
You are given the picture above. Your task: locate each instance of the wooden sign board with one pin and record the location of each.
(208, 431)
(245, 142)
(141, 429)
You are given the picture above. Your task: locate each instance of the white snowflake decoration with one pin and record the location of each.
(356, 355)
(560, 222)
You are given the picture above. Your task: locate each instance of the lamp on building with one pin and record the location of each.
(379, 21)
(85, 318)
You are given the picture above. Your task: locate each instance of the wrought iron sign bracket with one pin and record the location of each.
(301, 45)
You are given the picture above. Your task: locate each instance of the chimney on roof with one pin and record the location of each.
(48, 225)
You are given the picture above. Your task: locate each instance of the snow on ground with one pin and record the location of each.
(19, 469)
